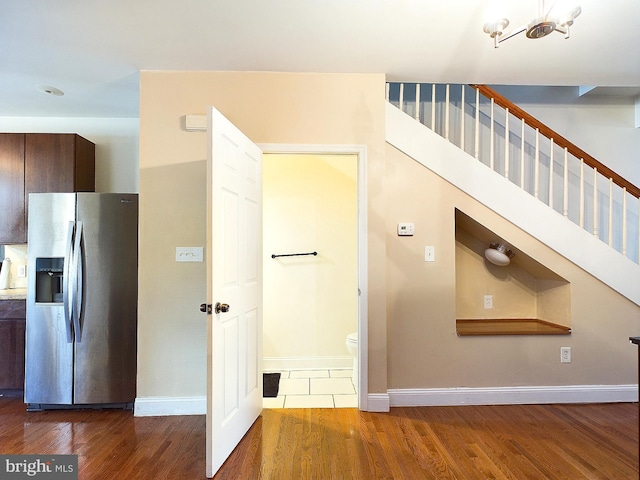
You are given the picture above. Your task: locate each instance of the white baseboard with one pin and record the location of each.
(378, 402)
(164, 406)
(381, 402)
(305, 363)
(513, 395)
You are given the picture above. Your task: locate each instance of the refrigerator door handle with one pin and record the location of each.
(67, 299)
(77, 281)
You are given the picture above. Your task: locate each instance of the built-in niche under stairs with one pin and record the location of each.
(521, 298)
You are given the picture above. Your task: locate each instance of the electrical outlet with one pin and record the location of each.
(22, 271)
(565, 354)
(488, 301)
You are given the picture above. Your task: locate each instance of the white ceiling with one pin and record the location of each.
(94, 49)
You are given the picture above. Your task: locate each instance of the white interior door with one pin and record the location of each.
(234, 279)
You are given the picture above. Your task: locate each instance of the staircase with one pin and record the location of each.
(529, 174)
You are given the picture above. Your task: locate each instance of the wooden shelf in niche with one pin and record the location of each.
(509, 326)
(523, 292)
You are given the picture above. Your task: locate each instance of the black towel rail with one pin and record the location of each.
(293, 254)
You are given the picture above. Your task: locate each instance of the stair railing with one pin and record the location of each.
(511, 142)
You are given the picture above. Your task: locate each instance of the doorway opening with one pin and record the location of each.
(314, 275)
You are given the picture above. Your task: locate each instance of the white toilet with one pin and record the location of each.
(352, 347)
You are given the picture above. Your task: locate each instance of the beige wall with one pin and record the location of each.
(310, 302)
(522, 289)
(513, 289)
(270, 108)
(424, 350)
(412, 304)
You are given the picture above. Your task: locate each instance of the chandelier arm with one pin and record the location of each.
(563, 29)
(507, 36)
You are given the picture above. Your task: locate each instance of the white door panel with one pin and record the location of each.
(234, 277)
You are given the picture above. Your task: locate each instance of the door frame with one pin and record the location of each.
(361, 152)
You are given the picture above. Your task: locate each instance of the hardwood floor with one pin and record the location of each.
(595, 441)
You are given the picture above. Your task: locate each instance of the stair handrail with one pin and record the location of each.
(558, 139)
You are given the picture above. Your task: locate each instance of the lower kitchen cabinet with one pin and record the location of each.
(12, 336)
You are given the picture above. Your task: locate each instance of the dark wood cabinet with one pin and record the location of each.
(40, 162)
(59, 163)
(12, 214)
(12, 337)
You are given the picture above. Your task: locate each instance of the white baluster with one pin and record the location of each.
(582, 193)
(417, 101)
(595, 201)
(433, 107)
(401, 101)
(446, 112)
(386, 91)
(506, 144)
(565, 206)
(611, 212)
(477, 139)
(551, 176)
(462, 120)
(536, 169)
(491, 160)
(522, 156)
(624, 220)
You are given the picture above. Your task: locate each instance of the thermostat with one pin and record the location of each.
(405, 229)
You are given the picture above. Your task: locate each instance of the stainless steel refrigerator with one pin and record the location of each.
(82, 300)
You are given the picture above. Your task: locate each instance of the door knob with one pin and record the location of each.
(205, 308)
(221, 307)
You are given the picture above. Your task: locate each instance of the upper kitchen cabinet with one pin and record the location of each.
(12, 220)
(59, 163)
(40, 162)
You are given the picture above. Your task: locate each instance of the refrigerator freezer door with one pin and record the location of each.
(105, 348)
(49, 353)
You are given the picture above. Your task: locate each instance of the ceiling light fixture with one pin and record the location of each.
(498, 254)
(545, 23)
(47, 90)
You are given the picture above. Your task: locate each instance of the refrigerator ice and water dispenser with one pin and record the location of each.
(49, 280)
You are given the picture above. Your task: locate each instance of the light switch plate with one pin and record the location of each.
(430, 254)
(189, 254)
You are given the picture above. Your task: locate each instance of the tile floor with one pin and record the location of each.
(314, 389)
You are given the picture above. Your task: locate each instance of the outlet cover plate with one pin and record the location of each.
(488, 301)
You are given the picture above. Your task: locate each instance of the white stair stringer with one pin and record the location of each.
(523, 210)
